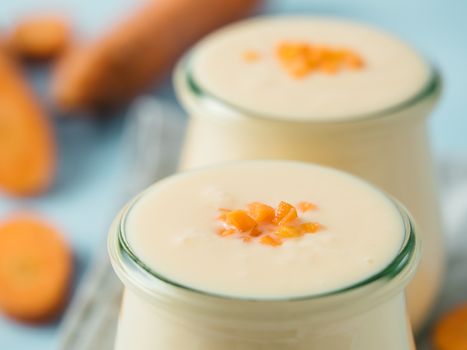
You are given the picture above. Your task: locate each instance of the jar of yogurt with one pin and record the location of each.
(327, 91)
(263, 255)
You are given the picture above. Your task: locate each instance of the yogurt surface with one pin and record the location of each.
(173, 229)
(239, 65)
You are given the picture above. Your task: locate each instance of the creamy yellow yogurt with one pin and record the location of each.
(393, 72)
(173, 228)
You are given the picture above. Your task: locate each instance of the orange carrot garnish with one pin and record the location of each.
(224, 232)
(306, 206)
(309, 227)
(262, 213)
(288, 232)
(302, 59)
(270, 240)
(240, 220)
(255, 232)
(266, 225)
(285, 213)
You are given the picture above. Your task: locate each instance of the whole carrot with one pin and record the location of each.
(27, 144)
(138, 51)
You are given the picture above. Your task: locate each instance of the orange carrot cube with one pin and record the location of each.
(285, 213)
(270, 240)
(354, 61)
(255, 232)
(306, 206)
(224, 232)
(309, 227)
(288, 232)
(240, 220)
(261, 212)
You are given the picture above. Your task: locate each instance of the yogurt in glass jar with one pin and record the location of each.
(264, 255)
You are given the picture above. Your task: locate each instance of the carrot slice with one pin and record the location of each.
(40, 38)
(451, 331)
(27, 147)
(35, 269)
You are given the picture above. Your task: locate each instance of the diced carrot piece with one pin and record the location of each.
(329, 67)
(288, 232)
(287, 51)
(224, 232)
(301, 59)
(35, 269)
(298, 68)
(261, 212)
(270, 240)
(240, 220)
(306, 206)
(285, 213)
(354, 61)
(255, 232)
(309, 227)
(247, 239)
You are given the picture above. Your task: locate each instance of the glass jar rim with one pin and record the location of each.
(407, 256)
(184, 75)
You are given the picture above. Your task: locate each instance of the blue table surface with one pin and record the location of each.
(91, 169)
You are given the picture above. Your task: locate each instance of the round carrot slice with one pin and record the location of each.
(451, 330)
(35, 269)
(40, 38)
(27, 144)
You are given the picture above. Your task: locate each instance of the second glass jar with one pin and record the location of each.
(390, 148)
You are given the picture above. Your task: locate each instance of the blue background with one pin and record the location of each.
(91, 167)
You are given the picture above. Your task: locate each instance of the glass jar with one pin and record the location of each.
(159, 314)
(389, 148)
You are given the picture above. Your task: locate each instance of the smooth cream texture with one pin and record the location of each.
(172, 228)
(393, 71)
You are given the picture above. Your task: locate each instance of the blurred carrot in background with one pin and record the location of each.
(35, 269)
(39, 38)
(27, 144)
(139, 51)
